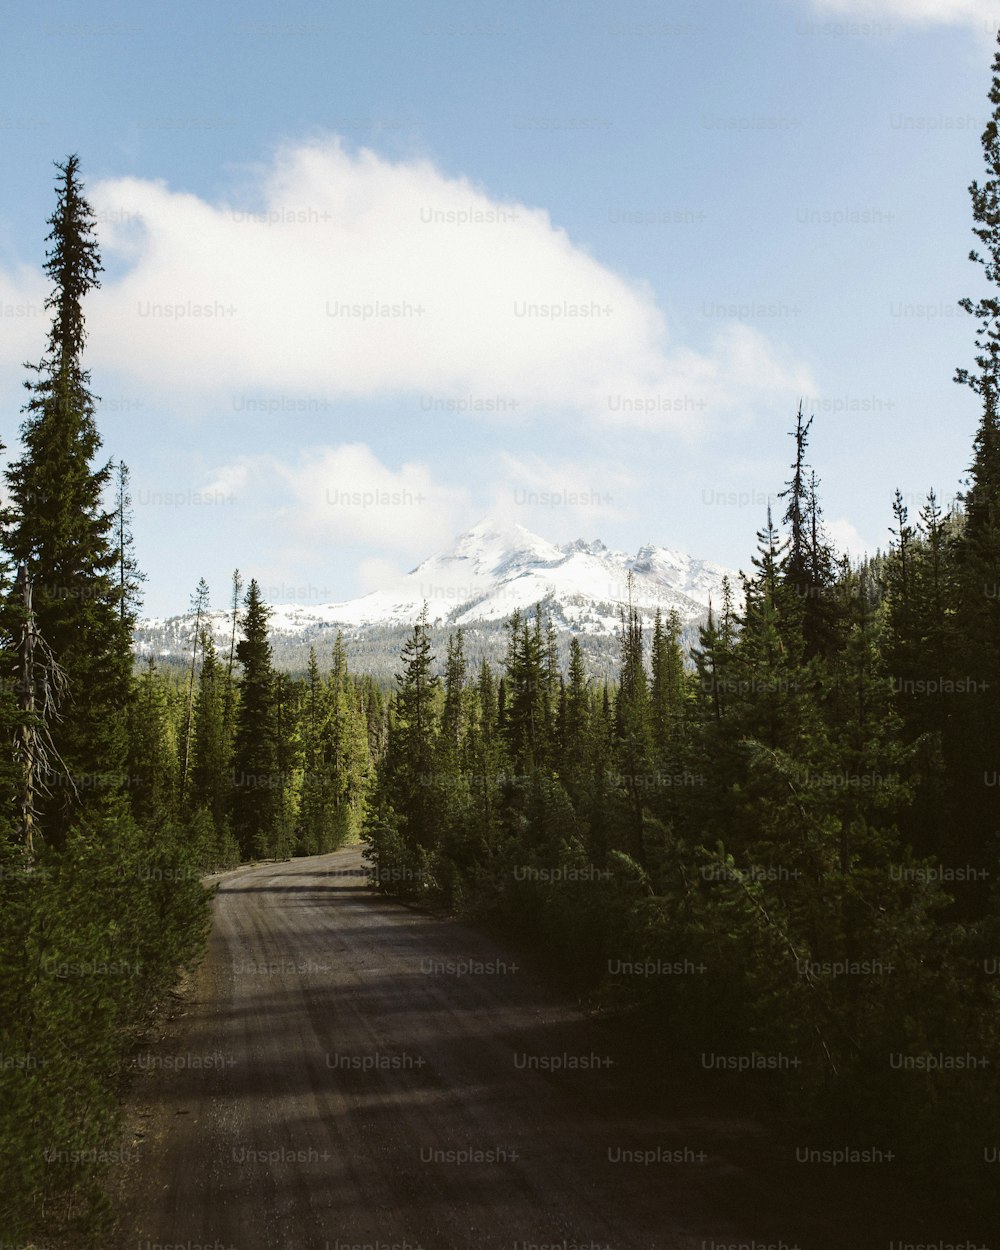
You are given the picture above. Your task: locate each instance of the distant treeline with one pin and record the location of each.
(374, 650)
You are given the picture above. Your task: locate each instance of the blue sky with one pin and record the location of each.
(374, 272)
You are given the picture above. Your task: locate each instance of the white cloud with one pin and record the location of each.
(336, 498)
(541, 493)
(846, 539)
(370, 278)
(230, 481)
(984, 14)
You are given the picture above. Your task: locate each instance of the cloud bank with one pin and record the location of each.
(350, 276)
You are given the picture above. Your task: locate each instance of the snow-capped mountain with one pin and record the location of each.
(480, 580)
(498, 567)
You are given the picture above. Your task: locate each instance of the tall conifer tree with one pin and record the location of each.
(254, 750)
(63, 538)
(130, 576)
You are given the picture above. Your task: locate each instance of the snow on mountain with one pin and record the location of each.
(496, 568)
(481, 576)
(484, 576)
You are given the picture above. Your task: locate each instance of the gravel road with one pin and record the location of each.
(349, 1072)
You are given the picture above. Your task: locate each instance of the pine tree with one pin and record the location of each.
(348, 747)
(528, 718)
(287, 753)
(485, 754)
(720, 687)
(40, 689)
(969, 741)
(413, 736)
(922, 647)
(807, 568)
(632, 724)
(937, 591)
(61, 535)
(199, 606)
(771, 649)
(576, 719)
(401, 824)
(864, 721)
(152, 754)
(713, 658)
(234, 615)
(977, 551)
(340, 728)
(373, 707)
(668, 690)
(797, 571)
(130, 576)
(986, 213)
(903, 648)
(254, 802)
(901, 581)
(458, 844)
(454, 712)
(315, 808)
(210, 768)
(553, 684)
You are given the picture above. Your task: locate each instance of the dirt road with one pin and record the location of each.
(354, 1073)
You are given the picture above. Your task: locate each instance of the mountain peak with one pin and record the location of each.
(495, 526)
(594, 548)
(495, 543)
(498, 567)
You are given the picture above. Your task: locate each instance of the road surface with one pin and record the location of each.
(351, 1072)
